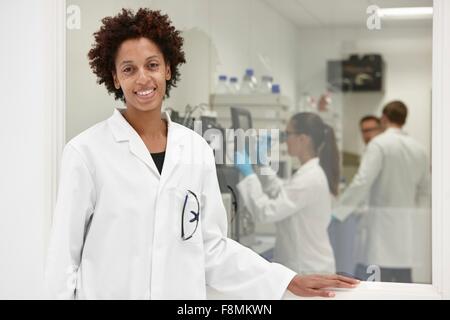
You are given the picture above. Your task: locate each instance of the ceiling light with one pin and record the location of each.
(406, 13)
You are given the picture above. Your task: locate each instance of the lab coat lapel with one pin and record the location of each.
(139, 149)
(123, 131)
(174, 150)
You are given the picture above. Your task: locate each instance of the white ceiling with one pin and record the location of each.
(331, 13)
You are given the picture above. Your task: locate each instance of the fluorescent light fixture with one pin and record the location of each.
(406, 13)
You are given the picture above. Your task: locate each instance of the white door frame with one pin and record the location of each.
(440, 287)
(441, 150)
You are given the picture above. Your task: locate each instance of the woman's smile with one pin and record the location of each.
(145, 95)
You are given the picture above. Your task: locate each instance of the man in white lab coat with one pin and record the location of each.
(349, 238)
(394, 177)
(370, 127)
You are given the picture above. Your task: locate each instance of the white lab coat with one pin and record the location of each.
(301, 210)
(117, 225)
(394, 176)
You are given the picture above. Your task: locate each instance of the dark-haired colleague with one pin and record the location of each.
(394, 178)
(370, 127)
(139, 213)
(348, 238)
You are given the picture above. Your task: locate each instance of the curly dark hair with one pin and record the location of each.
(126, 25)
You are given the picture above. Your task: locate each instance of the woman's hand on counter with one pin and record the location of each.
(316, 285)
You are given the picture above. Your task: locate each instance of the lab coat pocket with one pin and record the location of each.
(188, 203)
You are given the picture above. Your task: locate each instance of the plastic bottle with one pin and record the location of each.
(222, 86)
(266, 84)
(234, 85)
(249, 82)
(252, 77)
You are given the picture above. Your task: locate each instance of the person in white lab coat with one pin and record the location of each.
(348, 238)
(139, 213)
(300, 207)
(370, 127)
(394, 177)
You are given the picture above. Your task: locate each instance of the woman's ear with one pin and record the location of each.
(303, 137)
(116, 81)
(168, 72)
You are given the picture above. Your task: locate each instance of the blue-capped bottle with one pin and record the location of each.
(234, 85)
(222, 85)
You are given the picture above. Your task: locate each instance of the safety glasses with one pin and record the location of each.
(189, 221)
(285, 134)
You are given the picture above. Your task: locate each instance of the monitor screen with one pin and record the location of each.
(241, 119)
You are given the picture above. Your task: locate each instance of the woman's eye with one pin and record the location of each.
(127, 70)
(153, 65)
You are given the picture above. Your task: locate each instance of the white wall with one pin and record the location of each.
(25, 61)
(220, 37)
(407, 54)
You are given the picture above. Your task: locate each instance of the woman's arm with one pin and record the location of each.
(271, 183)
(291, 198)
(74, 207)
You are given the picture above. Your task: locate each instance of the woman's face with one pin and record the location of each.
(292, 140)
(295, 142)
(141, 73)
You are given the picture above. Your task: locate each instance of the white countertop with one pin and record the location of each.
(365, 291)
(378, 291)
